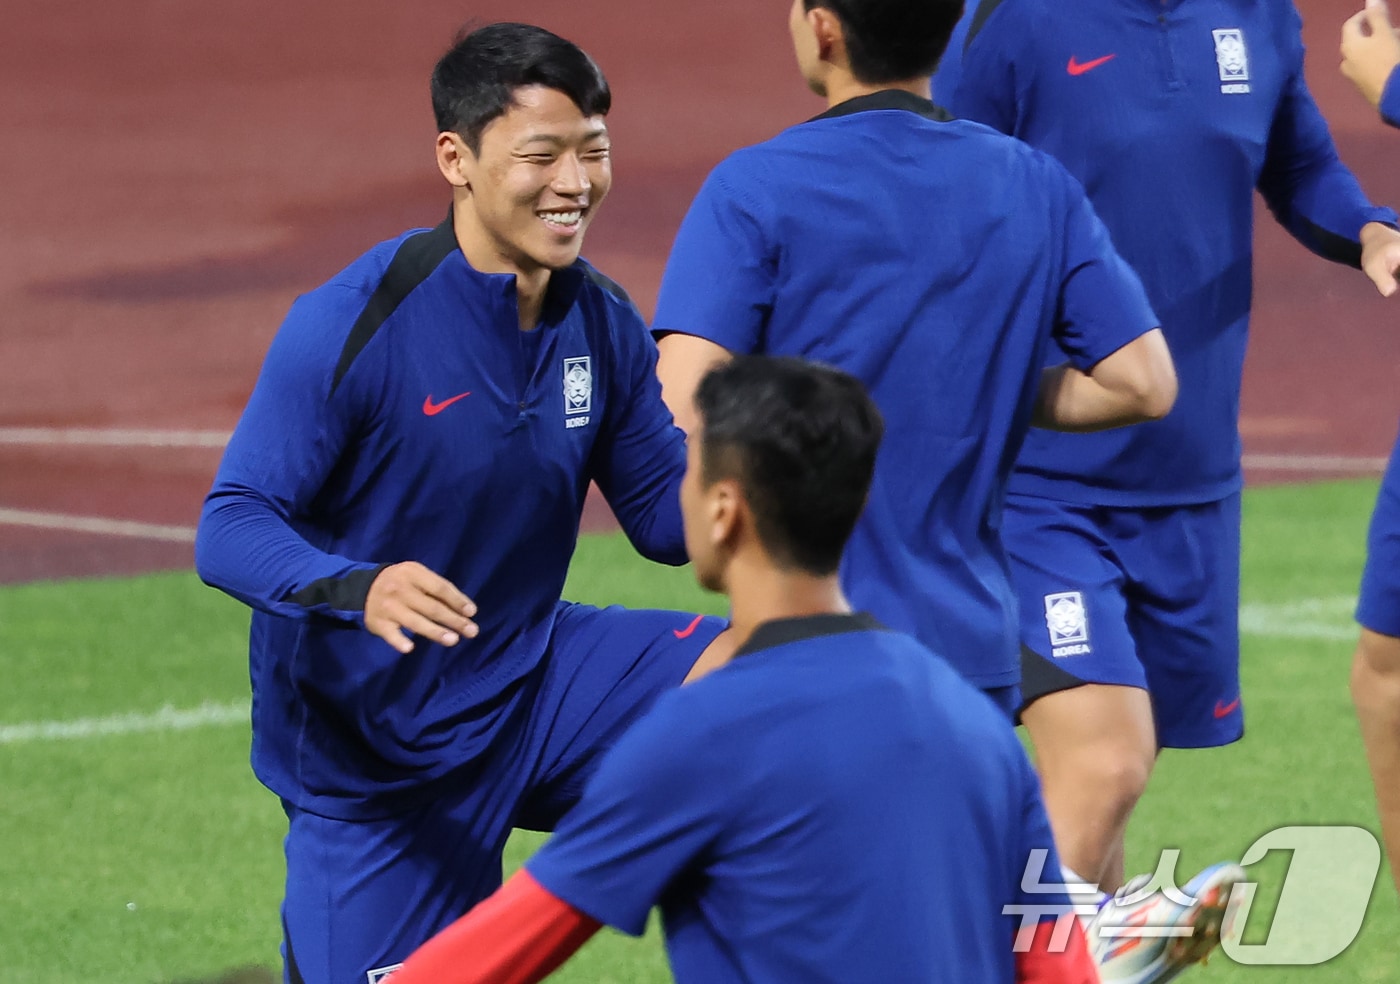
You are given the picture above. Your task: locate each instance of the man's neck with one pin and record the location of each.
(842, 87)
(483, 257)
(760, 592)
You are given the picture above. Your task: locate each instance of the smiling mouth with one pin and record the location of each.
(564, 222)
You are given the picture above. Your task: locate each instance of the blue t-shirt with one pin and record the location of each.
(1390, 99)
(835, 805)
(401, 414)
(943, 265)
(1171, 114)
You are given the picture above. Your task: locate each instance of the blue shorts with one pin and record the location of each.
(362, 895)
(1139, 597)
(1379, 606)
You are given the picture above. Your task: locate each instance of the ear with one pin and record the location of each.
(831, 39)
(454, 159)
(728, 514)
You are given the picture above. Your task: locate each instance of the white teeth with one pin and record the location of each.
(562, 218)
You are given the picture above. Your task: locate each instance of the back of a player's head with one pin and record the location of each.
(893, 40)
(800, 439)
(475, 82)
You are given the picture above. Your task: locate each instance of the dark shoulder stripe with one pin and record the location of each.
(607, 283)
(417, 257)
(985, 9)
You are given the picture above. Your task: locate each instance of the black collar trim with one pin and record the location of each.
(564, 285)
(887, 99)
(782, 631)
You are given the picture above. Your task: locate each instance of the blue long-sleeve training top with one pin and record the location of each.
(1171, 113)
(401, 414)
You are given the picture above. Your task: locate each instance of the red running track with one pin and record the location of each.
(175, 174)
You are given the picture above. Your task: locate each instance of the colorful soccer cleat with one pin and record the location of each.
(1146, 935)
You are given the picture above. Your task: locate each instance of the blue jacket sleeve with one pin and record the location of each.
(639, 460)
(1390, 99)
(1103, 305)
(655, 810)
(1306, 185)
(254, 540)
(720, 279)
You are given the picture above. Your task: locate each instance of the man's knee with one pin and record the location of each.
(1375, 675)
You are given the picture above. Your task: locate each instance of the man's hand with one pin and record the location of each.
(408, 597)
(1380, 256)
(1370, 50)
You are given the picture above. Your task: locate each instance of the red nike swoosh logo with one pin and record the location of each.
(433, 409)
(1076, 67)
(1225, 710)
(686, 632)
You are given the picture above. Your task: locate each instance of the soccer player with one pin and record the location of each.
(1125, 545)
(941, 264)
(835, 804)
(1371, 59)
(399, 503)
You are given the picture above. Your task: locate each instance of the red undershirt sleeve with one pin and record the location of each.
(519, 935)
(1042, 964)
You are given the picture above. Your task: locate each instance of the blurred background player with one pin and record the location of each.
(943, 266)
(835, 804)
(1125, 545)
(1370, 56)
(424, 430)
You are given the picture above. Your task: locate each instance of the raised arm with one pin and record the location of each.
(1316, 197)
(1370, 57)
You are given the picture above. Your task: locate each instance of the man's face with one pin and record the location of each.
(698, 516)
(542, 171)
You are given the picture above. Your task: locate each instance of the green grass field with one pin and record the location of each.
(154, 856)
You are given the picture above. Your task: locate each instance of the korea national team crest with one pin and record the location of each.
(578, 391)
(1068, 624)
(1233, 59)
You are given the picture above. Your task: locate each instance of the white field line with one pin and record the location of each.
(112, 437)
(166, 719)
(97, 524)
(1315, 463)
(1312, 618)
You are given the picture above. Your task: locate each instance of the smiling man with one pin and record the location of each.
(399, 504)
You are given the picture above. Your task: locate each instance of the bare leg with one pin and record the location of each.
(1095, 746)
(1375, 690)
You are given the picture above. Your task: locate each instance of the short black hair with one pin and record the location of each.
(893, 40)
(475, 82)
(800, 439)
